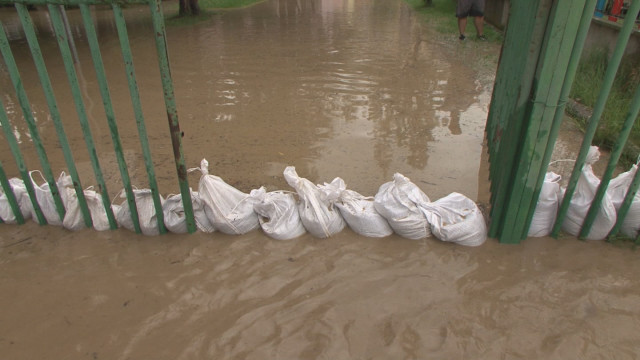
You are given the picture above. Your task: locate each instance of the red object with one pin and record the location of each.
(616, 9)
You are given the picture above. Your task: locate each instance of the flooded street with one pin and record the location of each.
(359, 89)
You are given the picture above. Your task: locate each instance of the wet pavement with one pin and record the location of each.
(351, 88)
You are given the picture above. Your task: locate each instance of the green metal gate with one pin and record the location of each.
(535, 75)
(57, 15)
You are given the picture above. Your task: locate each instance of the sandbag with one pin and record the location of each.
(22, 198)
(397, 201)
(618, 188)
(146, 212)
(45, 197)
(456, 218)
(228, 209)
(175, 220)
(581, 202)
(360, 214)
(546, 210)
(316, 207)
(278, 214)
(74, 220)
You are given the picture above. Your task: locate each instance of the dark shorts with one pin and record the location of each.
(467, 8)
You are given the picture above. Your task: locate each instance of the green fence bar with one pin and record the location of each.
(137, 109)
(17, 155)
(108, 109)
(616, 151)
(576, 53)
(56, 19)
(592, 124)
(11, 197)
(552, 67)
(172, 113)
(626, 204)
(14, 74)
(38, 60)
(514, 81)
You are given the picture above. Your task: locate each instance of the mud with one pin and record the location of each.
(349, 88)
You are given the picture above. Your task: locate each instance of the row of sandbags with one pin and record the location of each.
(552, 194)
(322, 210)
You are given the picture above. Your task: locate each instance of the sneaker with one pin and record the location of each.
(462, 37)
(482, 37)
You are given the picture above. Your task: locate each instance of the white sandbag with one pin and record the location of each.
(228, 209)
(22, 198)
(546, 210)
(631, 224)
(581, 202)
(360, 214)
(397, 202)
(278, 214)
(146, 212)
(175, 220)
(316, 207)
(618, 188)
(456, 218)
(74, 220)
(45, 197)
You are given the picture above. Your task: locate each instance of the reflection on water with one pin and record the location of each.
(336, 88)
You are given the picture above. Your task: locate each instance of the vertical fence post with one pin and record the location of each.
(108, 109)
(576, 53)
(172, 113)
(38, 60)
(514, 79)
(63, 45)
(137, 109)
(561, 34)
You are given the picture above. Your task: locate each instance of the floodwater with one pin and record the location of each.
(359, 89)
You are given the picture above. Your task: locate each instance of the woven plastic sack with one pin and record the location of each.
(22, 198)
(228, 209)
(360, 214)
(316, 207)
(581, 202)
(278, 214)
(547, 207)
(175, 220)
(146, 212)
(456, 218)
(397, 201)
(45, 197)
(74, 220)
(618, 188)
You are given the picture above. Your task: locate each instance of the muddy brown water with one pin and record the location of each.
(350, 88)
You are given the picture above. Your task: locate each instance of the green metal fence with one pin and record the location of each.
(535, 75)
(57, 15)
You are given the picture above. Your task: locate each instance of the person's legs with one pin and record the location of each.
(462, 25)
(479, 23)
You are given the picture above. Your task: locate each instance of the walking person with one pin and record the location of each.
(475, 9)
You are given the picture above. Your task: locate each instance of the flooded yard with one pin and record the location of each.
(359, 89)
